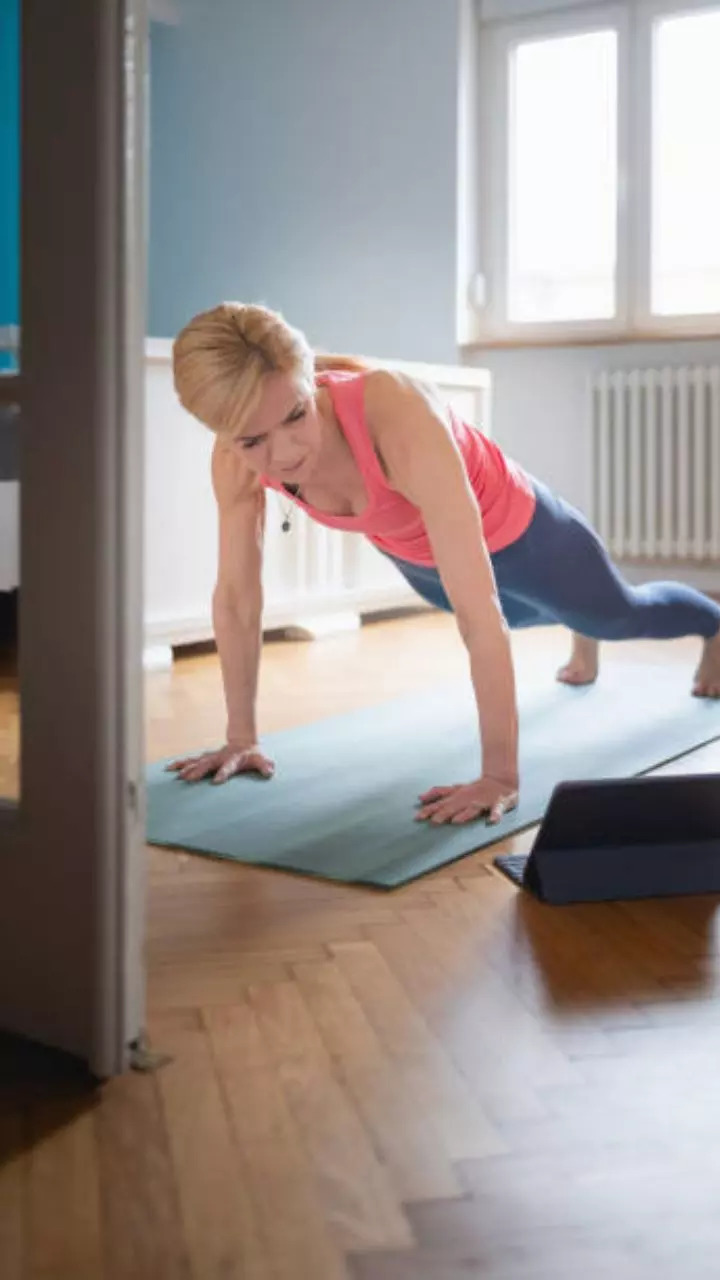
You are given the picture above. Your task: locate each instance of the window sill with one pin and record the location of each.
(600, 339)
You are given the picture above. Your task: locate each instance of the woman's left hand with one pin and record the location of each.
(463, 802)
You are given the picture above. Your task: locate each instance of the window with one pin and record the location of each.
(563, 197)
(685, 273)
(599, 174)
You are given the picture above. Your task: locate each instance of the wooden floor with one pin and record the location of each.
(443, 1082)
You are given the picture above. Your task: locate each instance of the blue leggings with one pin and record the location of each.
(558, 571)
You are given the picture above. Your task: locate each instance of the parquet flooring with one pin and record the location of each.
(443, 1082)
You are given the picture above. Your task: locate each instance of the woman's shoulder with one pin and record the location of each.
(388, 392)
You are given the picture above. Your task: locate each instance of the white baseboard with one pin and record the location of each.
(323, 614)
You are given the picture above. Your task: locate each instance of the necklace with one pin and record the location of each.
(286, 524)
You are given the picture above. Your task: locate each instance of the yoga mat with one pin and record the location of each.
(341, 805)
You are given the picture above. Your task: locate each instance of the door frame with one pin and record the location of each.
(72, 884)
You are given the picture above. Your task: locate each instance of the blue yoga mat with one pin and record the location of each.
(341, 805)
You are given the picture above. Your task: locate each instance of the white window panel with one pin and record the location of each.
(685, 215)
(563, 167)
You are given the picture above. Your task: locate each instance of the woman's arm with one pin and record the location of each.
(237, 599)
(237, 616)
(422, 461)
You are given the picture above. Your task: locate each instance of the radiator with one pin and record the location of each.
(656, 462)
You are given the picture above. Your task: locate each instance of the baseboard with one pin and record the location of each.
(367, 602)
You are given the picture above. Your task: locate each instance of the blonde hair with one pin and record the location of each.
(222, 355)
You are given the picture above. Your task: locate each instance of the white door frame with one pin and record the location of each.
(71, 867)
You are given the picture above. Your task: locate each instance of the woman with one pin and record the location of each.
(374, 452)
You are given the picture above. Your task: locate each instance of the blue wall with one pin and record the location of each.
(303, 154)
(9, 162)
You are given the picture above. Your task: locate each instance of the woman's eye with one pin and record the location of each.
(250, 444)
(299, 413)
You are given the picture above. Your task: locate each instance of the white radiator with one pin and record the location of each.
(656, 463)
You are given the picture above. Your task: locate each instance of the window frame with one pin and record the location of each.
(633, 22)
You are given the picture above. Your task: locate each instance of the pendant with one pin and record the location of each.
(285, 525)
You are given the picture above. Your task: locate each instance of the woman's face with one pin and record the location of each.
(281, 438)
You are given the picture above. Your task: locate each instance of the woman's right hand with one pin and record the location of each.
(224, 763)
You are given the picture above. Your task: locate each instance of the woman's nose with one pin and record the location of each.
(284, 453)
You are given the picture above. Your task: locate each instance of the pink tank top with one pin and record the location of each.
(504, 492)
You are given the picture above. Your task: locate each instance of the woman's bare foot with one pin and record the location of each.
(707, 676)
(583, 665)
